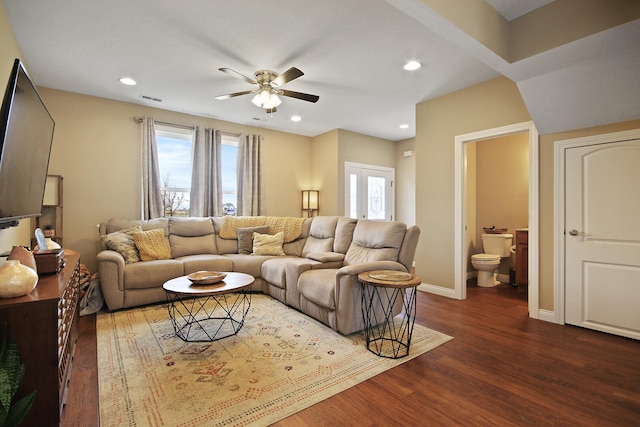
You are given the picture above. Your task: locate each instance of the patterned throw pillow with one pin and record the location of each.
(245, 238)
(267, 244)
(152, 245)
(122, 242)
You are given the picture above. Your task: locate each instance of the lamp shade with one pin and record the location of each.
(310, 201)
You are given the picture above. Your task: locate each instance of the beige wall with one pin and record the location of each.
(324, 166)
(488, 105)
(406, 182)
(9, 51)
(502, 187)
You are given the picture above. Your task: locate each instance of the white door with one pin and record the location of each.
(602, 237)
(369, 191)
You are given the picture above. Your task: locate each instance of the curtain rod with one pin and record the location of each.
(139, 120)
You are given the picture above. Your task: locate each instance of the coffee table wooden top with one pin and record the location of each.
(233, 282)
(390, 279)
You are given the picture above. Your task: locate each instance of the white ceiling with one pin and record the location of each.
(351, 52)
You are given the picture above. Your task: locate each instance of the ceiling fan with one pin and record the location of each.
(269, 83)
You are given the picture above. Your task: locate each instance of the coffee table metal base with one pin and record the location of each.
(208, 318)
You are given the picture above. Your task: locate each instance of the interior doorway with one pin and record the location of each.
(497, 191)
(461, 249)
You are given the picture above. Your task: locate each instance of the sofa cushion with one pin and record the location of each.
(249, 264)
(122, 242)
(183, 246)
(245, 238)
(344, 234)
(321, 235)
(210, 262)
(267, 244)
(314, 244)
(191, 236)
(318, 286)
(152, 274)
(323, 227)
(152, 245)
(274, 269)
(375, 241)
(191, 226)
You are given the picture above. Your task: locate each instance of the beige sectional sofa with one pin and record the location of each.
(316, 272)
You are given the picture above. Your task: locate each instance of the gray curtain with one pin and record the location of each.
(250, 176)
(206, 178)
(152, 196)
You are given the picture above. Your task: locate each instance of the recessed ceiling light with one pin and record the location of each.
(128, 81)
(296, 118)
(404, 126)
(412, 65)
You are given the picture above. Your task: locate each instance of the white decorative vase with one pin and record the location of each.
(16, 279)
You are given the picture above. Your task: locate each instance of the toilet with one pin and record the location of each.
(495, 246)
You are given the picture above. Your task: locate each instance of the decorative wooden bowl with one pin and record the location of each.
(206, 277)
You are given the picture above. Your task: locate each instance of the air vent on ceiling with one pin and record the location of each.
(150, 98)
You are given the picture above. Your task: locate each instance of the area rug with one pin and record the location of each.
(279, 363)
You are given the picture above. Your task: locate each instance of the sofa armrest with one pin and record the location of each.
(111, 268)
(355, 269)
(326, 256)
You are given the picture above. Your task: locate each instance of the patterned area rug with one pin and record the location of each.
(279, 363)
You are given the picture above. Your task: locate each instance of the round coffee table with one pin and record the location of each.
(208, 312)
(386, 335)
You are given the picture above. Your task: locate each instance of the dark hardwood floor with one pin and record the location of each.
(501, 368)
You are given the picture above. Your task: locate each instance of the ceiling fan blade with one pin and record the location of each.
(238, 75)
(299, 95)
(232, 95)
(291, 74)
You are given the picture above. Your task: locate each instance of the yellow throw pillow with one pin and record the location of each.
(267, 244)
(152, 245)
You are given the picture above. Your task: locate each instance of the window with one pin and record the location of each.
(175, 161)
(175, 151)
(229, 174)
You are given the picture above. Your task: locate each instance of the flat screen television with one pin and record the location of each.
(26, 135)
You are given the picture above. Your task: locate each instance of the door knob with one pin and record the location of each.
(573, 232)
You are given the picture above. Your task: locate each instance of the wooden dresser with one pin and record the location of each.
(44, 324)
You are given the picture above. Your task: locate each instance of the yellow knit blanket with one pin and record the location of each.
(290, 226)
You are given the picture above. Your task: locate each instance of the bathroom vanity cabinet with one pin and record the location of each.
(522, 257)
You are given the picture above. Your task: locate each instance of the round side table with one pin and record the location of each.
(388, 335)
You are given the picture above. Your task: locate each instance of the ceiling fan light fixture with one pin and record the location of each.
(274, 101)
(266, 99)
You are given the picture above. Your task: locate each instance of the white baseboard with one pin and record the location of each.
(437, 290)
(548, 316)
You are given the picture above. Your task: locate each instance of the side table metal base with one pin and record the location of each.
(386, 335)
(208, 318)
